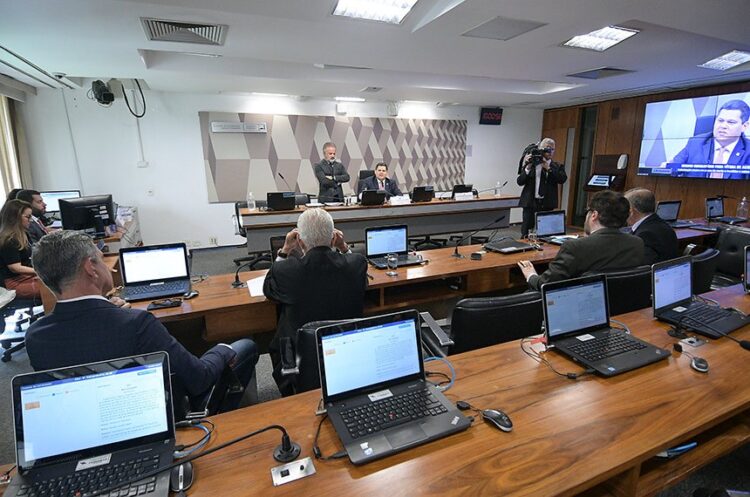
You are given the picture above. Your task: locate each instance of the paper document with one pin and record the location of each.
(255, 286)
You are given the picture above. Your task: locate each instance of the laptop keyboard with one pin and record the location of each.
(393, 411)
(706, 313)
(402, 259)
(86, 482)
(605, 346)
(169, 286)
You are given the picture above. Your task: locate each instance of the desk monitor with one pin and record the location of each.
(52, 198)
(668, 210)
(714, 207)
(602, 180)
(89, 214)
(462, 189)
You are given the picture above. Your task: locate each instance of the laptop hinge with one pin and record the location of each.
(321, 409)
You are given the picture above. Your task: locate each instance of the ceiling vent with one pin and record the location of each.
(602, 72)
(371, 89)
(184, 32)
(503, 28)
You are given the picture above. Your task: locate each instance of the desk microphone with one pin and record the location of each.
(484, 190)
(285, 182)
(455, 252)
(237, 283)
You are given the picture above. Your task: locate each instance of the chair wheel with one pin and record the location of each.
(5, 358)
(6, 344)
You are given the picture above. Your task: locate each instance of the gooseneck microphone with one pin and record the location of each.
(286, 183)
(237, 283)
(455, 252)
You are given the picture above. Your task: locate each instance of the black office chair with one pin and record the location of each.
(704, 267)
(226, 391)
(363, 175)
(253, 259)
(301, 199)
(730, 266)
(628, 289)
(17, 343)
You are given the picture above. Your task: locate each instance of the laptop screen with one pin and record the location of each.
(668, 210)
(155, 263)
(365, 356)
(672, 283)
(550, 223)
(52, 198)
(714, 207)
(574, 306)
(389, 240)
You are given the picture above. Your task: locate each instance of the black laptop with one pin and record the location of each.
(281, 201)
(674, 303)
(373, 197)
(460, 188)
(154, 271)
(89, 427)
(374, 388)
(384, 240)
(576, 319)
(669, 211)
(423, 194)
(715, 212)
(550, 227)
(507, 245)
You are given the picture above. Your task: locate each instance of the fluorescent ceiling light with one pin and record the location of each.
(200, 54)
(390, 11)
(263, 94)
(349, 99)
(601, 39)
(727, 61)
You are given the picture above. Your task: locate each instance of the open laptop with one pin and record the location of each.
(576, 319)
(281, 201)
(423, 194)
(715, 212)
(154, 271)
(385, 240)
(76, 426)
(674, 303)
(461, 188)
(374, 388)
(550, 227)
(669, 211)
(373, 197)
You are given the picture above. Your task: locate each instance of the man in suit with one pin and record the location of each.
(539, 176)
(37, 228)
(659, 239)
(328, 281)
(727, 144)
(380, 181)
(330, 173)
(86, 327)
(604, 248)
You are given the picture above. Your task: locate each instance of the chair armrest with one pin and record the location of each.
(289, 359)
(434, 328)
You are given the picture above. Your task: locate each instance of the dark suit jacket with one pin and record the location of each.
(605, 249)
(548, 184)
(371, 183)
(659, 240)
(330, 190)
(700, 150)
(93, 330)
(35, 232)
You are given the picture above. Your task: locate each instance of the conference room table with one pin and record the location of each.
(593, 436)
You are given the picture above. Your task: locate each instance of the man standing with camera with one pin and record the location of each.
(539, 175)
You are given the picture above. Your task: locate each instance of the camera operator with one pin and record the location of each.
(539, 175)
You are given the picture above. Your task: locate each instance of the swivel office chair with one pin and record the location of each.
(731, 265)
(225, 392)
(628, 289)
(704, 267)
(18, 342)
(253, 259)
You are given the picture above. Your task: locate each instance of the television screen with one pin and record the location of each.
(704, 137)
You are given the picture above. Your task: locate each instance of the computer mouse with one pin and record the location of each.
(181, 477)
(498, 419)
(699, 364)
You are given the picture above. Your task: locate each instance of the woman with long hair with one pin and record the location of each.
(15, 250)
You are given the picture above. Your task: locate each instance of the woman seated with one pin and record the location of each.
(15, 251)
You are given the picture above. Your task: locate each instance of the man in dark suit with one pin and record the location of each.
(86, 327)
(380, 181)
(659, 239)
(539, 176)
(37, 228)
(605, 247)
(327, 282)
(331, 174)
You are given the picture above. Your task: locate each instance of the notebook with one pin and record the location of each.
(369, 366)
(715, 211)
(385, 240)
(281, 201)
(669, 211)
(423, 194)
(507, 245)
(154, 271)
(461, 188)
(373, 197)
(550, 227)
(576, 319)
(674, 303)
(78, 422)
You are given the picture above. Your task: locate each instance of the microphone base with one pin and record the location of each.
(239, 284)
(282, 455)
(458, 256)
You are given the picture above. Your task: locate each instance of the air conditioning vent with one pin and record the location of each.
(184, 32)
(599, 73)
(371, 89)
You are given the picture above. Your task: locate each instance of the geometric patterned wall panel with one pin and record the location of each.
(418, 152)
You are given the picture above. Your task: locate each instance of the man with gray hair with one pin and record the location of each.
(86, 327)
(326, 281)
(331, 174)
(659, 239)
(539, 176)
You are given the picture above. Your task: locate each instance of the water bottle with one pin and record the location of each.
(250, 201)
(498, 187)
(742, 208)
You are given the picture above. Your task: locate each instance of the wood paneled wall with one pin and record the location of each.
(619, 129)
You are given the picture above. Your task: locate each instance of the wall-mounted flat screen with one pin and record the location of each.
(704, 137)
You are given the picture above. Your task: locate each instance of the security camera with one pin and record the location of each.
(101, 92)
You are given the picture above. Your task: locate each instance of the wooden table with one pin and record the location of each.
(592, 436)
(424, 218)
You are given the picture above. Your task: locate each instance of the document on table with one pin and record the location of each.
(255, 286)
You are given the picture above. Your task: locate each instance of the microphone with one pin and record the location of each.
(237, 283)
(483, 190)
(287, 184)
(455, 252)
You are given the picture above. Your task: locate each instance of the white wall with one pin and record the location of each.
(105, 142)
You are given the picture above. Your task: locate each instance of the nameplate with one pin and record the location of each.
(400, 200)
(464, 196)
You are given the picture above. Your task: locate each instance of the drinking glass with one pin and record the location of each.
(391, 261)
(533, 240)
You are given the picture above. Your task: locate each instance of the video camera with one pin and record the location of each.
(537, 154)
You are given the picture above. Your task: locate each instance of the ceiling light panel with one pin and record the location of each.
(390, 11)
(727, 61)
(601, 39)
(349, 99)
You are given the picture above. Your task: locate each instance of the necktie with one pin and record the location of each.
(382, 184)
(541, 182)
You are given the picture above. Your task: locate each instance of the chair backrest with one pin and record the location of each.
(238, 218)
(628, 289)
(226, 391)
(484, 321)
(731, 245)
(366, 174)
(306, 351)
(704, 267)
(301, 198)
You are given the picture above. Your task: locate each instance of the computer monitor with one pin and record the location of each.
(89, 214)
(52, 198)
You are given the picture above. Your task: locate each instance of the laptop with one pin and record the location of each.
(75, 424)
(461, 189)
(373, 197)
(550, 227)
(576, 319)
(280, 201)
(367, 368)
(423, 194)
(669, 211)
(674, 303)
(715, 211)
(507, 245)
(385, 240)
(154, 271)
